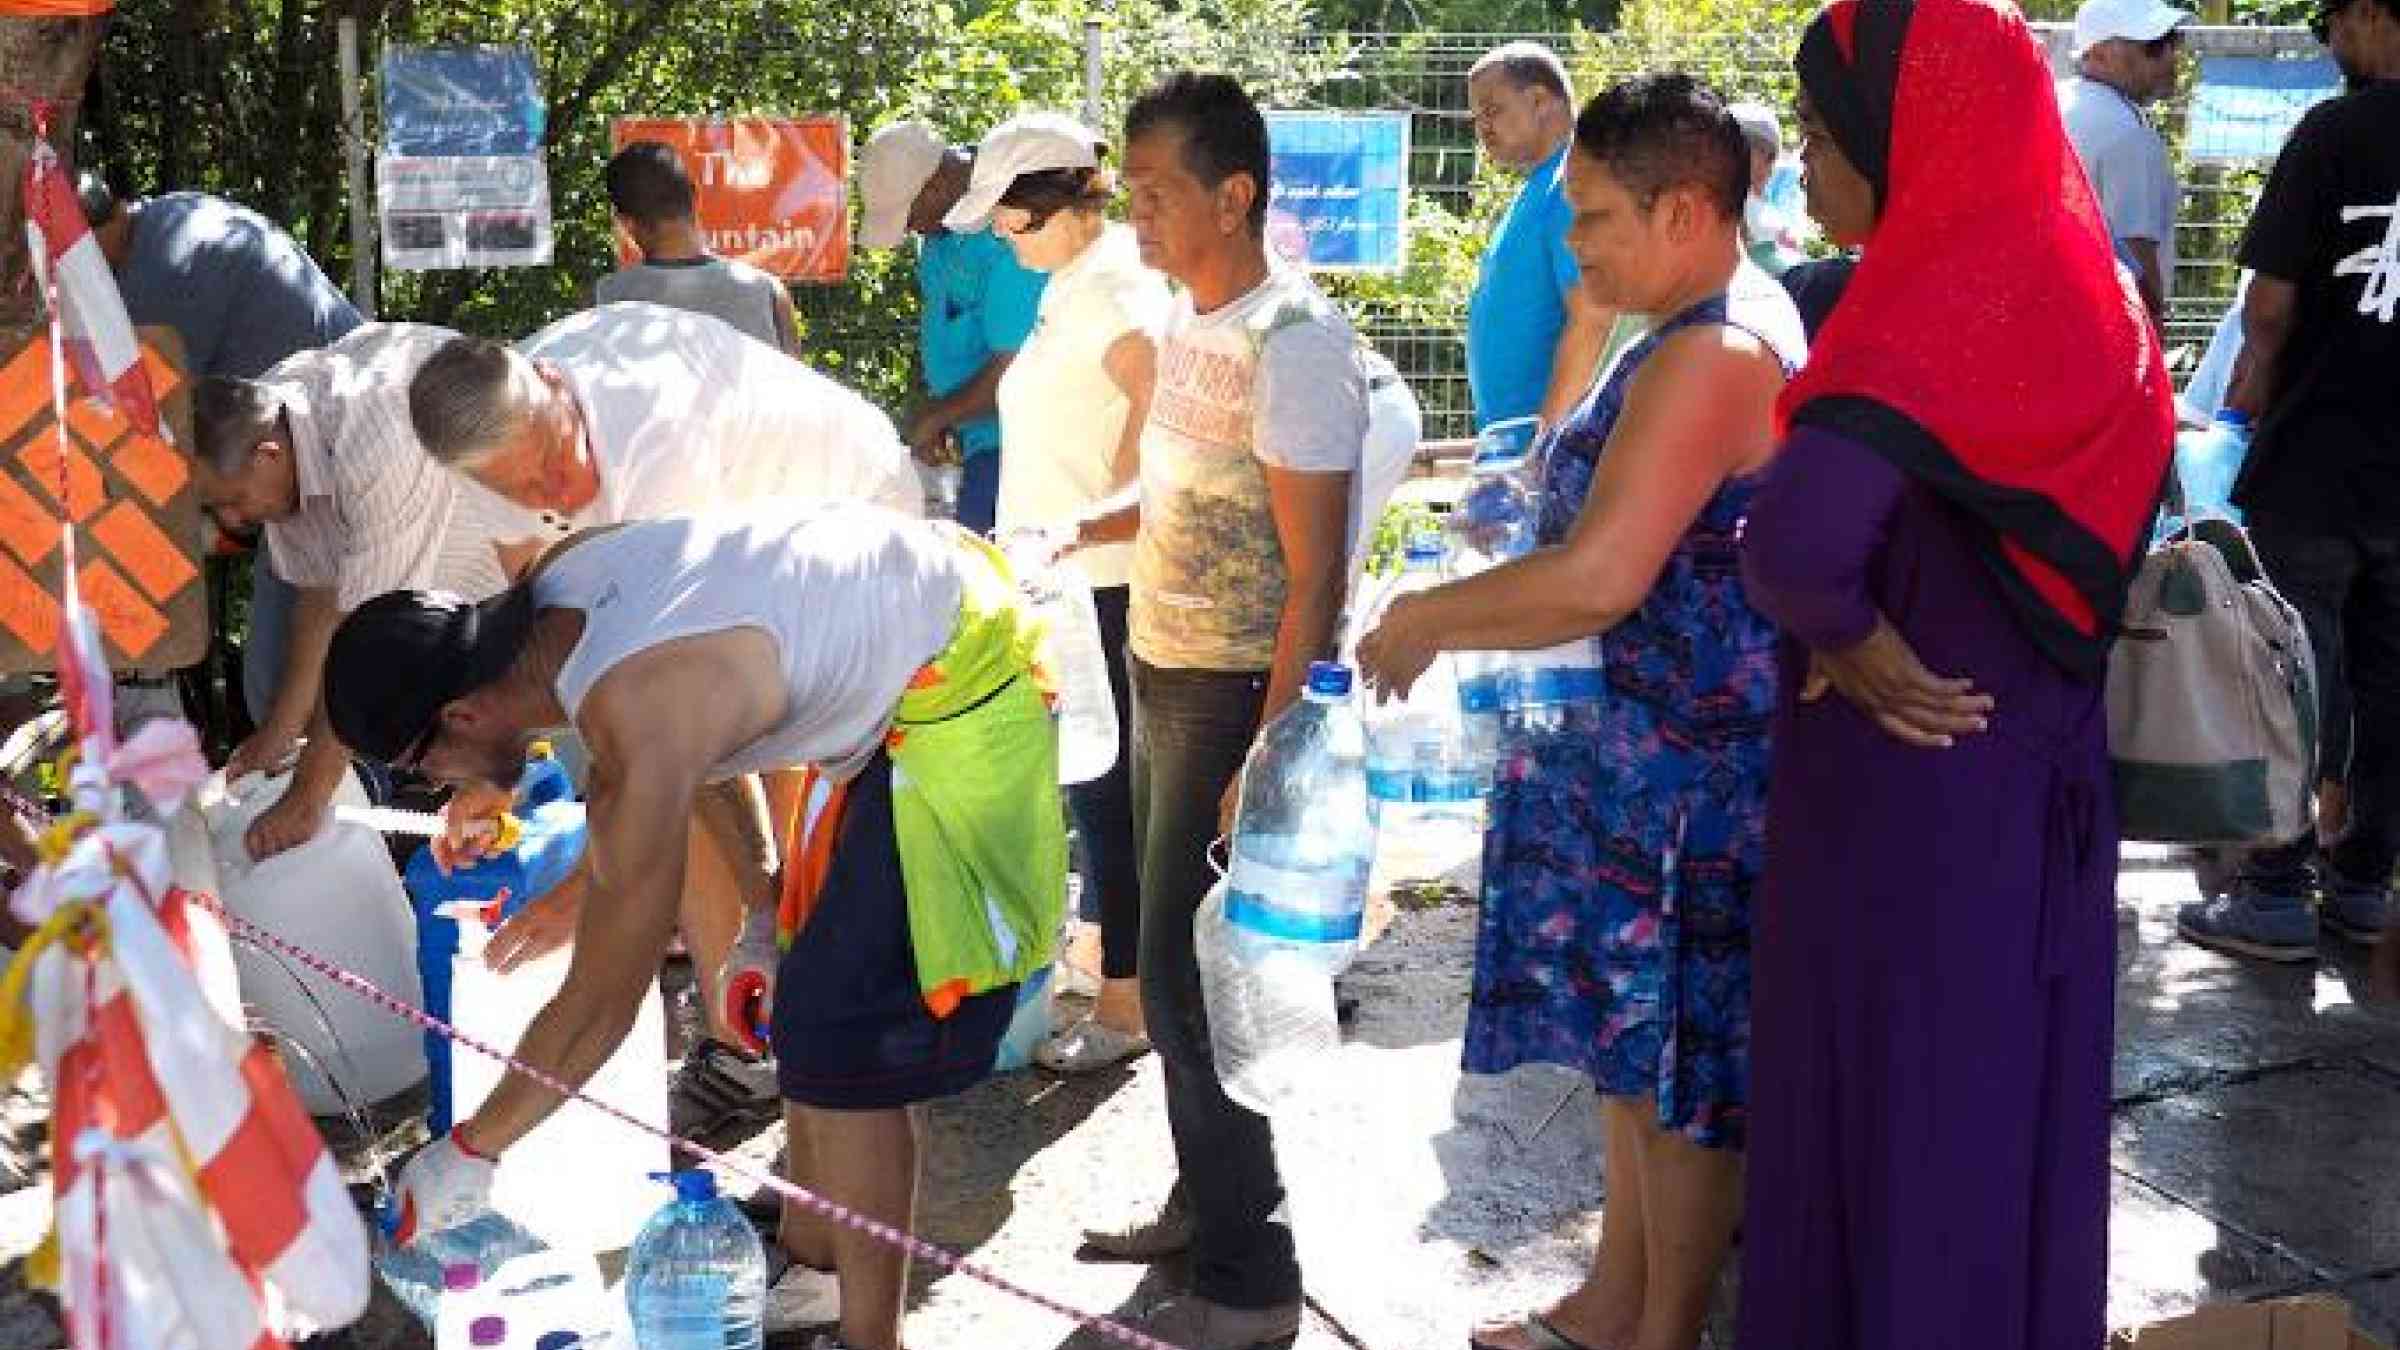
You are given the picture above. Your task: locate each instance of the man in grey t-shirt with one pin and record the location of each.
(2126, 56)
(651, 194)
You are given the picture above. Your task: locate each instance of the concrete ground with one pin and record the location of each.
(2258, 1117)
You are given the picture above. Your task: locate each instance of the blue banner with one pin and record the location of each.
(1340, 193)
(461, 100)
(2244, 106)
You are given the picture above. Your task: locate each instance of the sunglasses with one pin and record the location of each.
(2322, 24)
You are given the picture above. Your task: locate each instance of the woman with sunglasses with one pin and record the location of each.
(1071, 411)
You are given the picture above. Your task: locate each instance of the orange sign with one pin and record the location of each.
(137, 518)
(772, 191)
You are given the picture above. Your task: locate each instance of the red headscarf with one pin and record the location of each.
(1988, 344)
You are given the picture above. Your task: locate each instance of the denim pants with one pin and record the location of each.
(979, 491)
(1103, 812)
(1191, 731)
(270, 636)
(2347, 589)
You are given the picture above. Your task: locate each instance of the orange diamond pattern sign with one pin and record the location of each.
(137, 516)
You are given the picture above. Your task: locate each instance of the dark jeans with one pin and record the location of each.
(2347, 589)
(979, 491)
(1103, 810)
(1191, 730)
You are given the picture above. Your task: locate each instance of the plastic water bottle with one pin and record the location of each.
(1087, 708)
(1494, 522)
(1293, 903)
(2208, 461)
(453, 1261)
(696, 1278)
(1425, 772)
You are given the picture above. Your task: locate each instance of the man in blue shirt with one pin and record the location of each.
(242, 295)
(979, 302)
(1534, 341)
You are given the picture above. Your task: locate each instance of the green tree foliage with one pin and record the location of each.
(243, 98)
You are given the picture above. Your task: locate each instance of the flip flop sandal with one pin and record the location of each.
(1543, 1335)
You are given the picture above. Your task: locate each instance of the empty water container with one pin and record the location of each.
(337, 896)
(1295, 897)
(697, 1276)
(1087, 710)
(2207, 462)
(1493, 523)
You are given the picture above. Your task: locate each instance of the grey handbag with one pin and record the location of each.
(2212, 697)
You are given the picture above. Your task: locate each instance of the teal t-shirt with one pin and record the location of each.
(1519, 306)
(979, 303)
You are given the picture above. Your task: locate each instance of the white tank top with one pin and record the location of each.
(855, 597)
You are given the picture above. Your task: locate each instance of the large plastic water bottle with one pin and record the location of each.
(696, 1278)
(1289, 913)
(2208, 461)
(1425, 773)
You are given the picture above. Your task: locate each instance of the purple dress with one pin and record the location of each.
(1933, 954)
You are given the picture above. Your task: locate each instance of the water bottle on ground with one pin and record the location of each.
(696, 1278)
(1295, 897)
(1426, 775)
(452, 1261)
(2207, 462)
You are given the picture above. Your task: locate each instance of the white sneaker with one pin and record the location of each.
(802, 1298)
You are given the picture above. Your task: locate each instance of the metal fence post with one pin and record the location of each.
(1091, 71)
(354, 151)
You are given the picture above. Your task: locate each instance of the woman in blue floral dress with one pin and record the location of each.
(1627, 833)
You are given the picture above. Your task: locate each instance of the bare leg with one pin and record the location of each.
(2333, 811)
(711, 918)
(1605, 1311)
(1695, 1199)
(806, 1235)
(865, 1161)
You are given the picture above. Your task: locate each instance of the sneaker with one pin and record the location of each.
(2241, 924)
(719, 1088)
(1153, 1239)
(1088, 1047)
(1194, 1323)
(799, 1298)
(2358, 913)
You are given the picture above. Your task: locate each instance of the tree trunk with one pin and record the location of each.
(39, 58)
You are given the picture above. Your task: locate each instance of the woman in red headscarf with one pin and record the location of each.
(1970, 461)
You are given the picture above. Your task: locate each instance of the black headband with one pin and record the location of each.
(1855, 97)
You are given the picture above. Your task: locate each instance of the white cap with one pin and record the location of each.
(1031, 142)
(1759, 126)
(892, 170)
(2133, 20)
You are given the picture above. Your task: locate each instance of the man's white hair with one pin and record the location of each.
(1528, 65)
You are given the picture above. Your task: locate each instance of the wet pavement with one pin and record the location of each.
(2256, 1128)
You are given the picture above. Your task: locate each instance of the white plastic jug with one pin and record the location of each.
(580, 1181)
(336, 896)
(1087, 710)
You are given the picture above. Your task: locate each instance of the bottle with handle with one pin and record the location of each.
(1426, 771)
(1287, 917)
(696, 1278)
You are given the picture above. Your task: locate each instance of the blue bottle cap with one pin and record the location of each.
(2234, 417)
(690, 1184)
(484, 1332)
(557, 1340)
(1330, 678)
(1424, 549)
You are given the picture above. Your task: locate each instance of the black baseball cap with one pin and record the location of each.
(398, 659)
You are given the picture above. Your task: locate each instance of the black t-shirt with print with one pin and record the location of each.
(2327, 452)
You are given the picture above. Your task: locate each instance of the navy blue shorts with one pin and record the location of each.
(851, 1031)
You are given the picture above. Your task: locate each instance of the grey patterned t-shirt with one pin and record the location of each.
(1272, 379)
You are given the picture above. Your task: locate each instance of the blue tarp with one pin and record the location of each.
(2244, 106)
